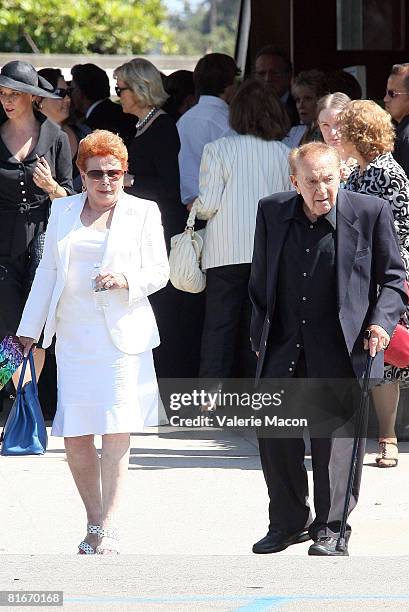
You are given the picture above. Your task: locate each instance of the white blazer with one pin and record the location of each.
(135, 247)
(235, 173)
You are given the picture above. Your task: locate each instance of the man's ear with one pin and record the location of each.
(294, 181)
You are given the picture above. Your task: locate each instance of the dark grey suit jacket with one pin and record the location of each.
(367, 256)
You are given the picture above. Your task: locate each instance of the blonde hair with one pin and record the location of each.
(145, 81)
(368, 127)
(311, 149)
(335, 101)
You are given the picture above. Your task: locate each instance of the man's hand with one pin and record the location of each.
(378, 340)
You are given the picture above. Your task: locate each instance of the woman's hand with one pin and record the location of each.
(27, 344)
(111, 280)
(42, 176)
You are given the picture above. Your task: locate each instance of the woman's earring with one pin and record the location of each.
(83, 188)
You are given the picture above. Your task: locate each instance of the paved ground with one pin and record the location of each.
(195, 504)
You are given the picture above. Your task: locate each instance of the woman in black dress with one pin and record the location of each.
(35, 168)
(60, 112)
(154, 175)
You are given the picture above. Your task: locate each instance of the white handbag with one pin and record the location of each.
(185, 258)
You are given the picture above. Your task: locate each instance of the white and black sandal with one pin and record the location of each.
(111, 547)
(84, 548)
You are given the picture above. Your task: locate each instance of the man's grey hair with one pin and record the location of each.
(312, 149)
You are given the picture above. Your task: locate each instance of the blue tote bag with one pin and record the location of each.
(24, 432)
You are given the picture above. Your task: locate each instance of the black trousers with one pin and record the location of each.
(282, 460)
(179, 316)
(226, 350)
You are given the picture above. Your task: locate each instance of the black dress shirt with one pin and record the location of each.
(24, 207)
(306, 313)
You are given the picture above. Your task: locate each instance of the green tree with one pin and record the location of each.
(85, 26)
(211, 26)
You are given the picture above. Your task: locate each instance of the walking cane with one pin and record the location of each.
(363, 404)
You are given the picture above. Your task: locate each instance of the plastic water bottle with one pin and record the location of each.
(100, 294)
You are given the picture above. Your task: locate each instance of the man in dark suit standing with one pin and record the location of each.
(273, 67)
(397, 104)
(320, 256)
(90, 93)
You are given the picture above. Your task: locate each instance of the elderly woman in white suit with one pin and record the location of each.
(104, 254)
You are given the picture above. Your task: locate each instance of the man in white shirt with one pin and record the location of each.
(214, 78)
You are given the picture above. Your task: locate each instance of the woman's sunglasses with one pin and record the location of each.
(119, 90)
(61, 92)
(98, 175)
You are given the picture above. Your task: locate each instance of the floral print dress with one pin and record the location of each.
(386, 179)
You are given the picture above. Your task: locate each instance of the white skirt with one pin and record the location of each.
(100, 389)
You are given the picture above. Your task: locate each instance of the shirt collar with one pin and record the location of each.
(299, 215)
(402, 124)
(91, 108)
(284, 97)
(212, 101)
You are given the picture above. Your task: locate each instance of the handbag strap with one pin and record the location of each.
(190, 223)
(29, 359)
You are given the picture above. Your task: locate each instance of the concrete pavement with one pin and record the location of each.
(195, 503)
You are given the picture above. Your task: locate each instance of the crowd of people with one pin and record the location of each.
(105, 176)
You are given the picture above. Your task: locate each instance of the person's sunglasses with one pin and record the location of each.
(119, 90)
(62, 92)
(392, 94)
(98, 175)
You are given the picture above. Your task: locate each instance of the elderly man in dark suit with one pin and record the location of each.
(326, 268)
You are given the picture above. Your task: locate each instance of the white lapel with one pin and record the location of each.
(67, 220)
(121, 224)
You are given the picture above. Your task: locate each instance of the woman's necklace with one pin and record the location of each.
(141, 124)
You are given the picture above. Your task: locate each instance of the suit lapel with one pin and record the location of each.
(120, 225)
(280, 226)
(66, 222)
(347, 242)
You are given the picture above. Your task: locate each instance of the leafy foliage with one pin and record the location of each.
(194, 32)
(85, 26)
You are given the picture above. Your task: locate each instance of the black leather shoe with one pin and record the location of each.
(275, 541)
(327, 547)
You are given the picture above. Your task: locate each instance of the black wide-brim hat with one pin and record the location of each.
(22, 76)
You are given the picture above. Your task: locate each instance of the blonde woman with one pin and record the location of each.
(328, 109)
(367, 134)
(306, 88)
(154, 174)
